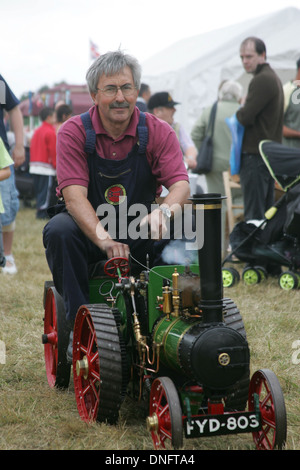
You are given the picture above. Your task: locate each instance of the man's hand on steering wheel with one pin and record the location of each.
(114, 249)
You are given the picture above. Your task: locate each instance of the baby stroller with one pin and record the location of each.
(275, 240)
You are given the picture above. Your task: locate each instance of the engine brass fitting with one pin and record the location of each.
(141, 340)
(175, 294)
(167, 301)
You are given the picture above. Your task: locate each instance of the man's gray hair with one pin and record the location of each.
(230, 90)
(110, 64)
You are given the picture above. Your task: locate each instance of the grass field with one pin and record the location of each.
(35, 417)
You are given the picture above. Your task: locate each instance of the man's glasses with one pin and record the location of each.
(112, 90)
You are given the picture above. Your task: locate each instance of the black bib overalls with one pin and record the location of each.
(69, 252)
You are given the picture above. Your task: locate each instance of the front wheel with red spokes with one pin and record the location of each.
(99, 364)
(165, 415)
(265, 393)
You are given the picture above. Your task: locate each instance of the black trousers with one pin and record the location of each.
(44, 186)
(257, 186)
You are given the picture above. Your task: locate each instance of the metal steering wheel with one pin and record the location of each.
(116, 267)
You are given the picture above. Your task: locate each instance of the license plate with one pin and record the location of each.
(216, 425)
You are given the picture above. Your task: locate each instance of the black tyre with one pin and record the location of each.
(237, 395)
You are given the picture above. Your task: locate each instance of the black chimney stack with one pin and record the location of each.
(209, 256)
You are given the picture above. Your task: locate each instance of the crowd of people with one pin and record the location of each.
(9, 194)
(13, 142)
(131, 131)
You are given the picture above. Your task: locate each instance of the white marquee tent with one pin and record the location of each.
(192, 69)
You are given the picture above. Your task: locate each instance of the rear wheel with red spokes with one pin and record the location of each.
(165, 415)
(265, 392)
(99, 364)
(86, 367)
(55, 340)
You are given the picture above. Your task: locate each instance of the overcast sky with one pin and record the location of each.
(45, 42)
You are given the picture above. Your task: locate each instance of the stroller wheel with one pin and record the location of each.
(288, 280)
(251, 276)
(230, 277)
(263, 272)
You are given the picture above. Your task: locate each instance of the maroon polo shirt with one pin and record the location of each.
(163, 150)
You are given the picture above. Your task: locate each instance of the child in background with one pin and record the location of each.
(5, 162)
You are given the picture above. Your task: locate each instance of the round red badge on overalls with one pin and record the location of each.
(115, 194)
